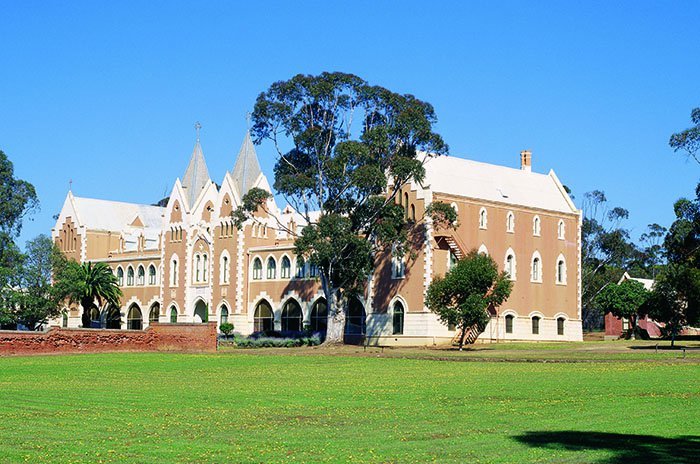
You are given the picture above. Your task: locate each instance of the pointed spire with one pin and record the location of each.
(247, 168)
(197, 175)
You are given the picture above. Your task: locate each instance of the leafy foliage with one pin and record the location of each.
(624, 300)
(226, 328)
(343, 182)
(462, 296)
(688, 140)
(33, 300)
(86, 283)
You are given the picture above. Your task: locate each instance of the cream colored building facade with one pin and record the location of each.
(187, 262)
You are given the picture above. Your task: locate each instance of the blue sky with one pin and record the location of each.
(107, 93)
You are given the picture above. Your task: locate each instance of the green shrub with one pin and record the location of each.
(226, 328)
(274, 342)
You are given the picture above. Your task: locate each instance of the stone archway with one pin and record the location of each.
(201, 312)
(134, 318)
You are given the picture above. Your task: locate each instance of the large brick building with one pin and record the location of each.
(187, 262)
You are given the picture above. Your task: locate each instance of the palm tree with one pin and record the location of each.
(90, 282)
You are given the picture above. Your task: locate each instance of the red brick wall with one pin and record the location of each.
(157, 337)
(613, 325)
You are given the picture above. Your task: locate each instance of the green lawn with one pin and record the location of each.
(243, 406)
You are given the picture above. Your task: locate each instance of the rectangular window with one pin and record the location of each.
(509, 324)
(535, 325)
(560, 326)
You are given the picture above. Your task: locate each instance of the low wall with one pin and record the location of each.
(157, 337)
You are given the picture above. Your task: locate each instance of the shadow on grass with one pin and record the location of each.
(625, 448)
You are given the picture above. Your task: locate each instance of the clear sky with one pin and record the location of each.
(107, 93)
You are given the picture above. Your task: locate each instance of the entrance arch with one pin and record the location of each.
(134, 319)
(113, 318)
(319, 318)
(263, 318)
(355, 322)
(200, 312)
(154, 314)
(292, 316)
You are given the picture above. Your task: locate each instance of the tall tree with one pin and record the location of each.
(606, 251)
(624, 300)
(17, 200)
(34, 300)
(675, 299)
(688, 140)
(88, 283)
(462, 297)
(343, 179)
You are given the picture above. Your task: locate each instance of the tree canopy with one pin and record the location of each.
(88, 283)
(462, 296)
(623, 300)
(345, 150)
(688, 140)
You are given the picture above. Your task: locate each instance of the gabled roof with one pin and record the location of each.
(648, 283)
(115, 215)
(247, 170)
(196, 176)
(473, 179)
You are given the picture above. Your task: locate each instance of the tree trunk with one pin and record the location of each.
(462, 337)
(335, 328)
(87, 305)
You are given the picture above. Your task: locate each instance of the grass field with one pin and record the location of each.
(352, 406)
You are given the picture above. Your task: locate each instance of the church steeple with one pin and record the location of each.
(247, 168)
(197, 175)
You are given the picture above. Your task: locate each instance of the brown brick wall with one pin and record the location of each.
(157, 337)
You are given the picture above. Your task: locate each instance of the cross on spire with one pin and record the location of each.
(197, 127)
(70, 184)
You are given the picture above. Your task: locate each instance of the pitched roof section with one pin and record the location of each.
(473, 179)
(247, 169)
(116, 215)
(196, 176)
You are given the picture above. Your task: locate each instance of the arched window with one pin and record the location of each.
(483, 218)
(224, 315)
(286, 268)
(561, 230)
(356, 319)
(257, 269)
(141, 276)
(536, 275)
(560, 325)
(300, 268)
(509, 323)
(510, 264)
(263, 318)
(535, 325)
(130, 276)
(536, 226)
(451, 261)
(154, 314)
(405, 204)
(413, 212)
(398, 318)
(510, 222)
(152, 275)
(205, 267)
(64, 322)
(291, 317)
(483, 250)
(561, 270)
(120, 277)
(225, 271)
(398, 265)
(319, 317)
(197, 267)
(173, 272)
(113, 319)
(173, 315)
(271, 268)
(134, 319)
(313, 270)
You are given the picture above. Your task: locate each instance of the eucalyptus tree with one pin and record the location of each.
(345, 150)
(688, 140)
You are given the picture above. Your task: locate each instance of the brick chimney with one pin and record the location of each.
(526, 160)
